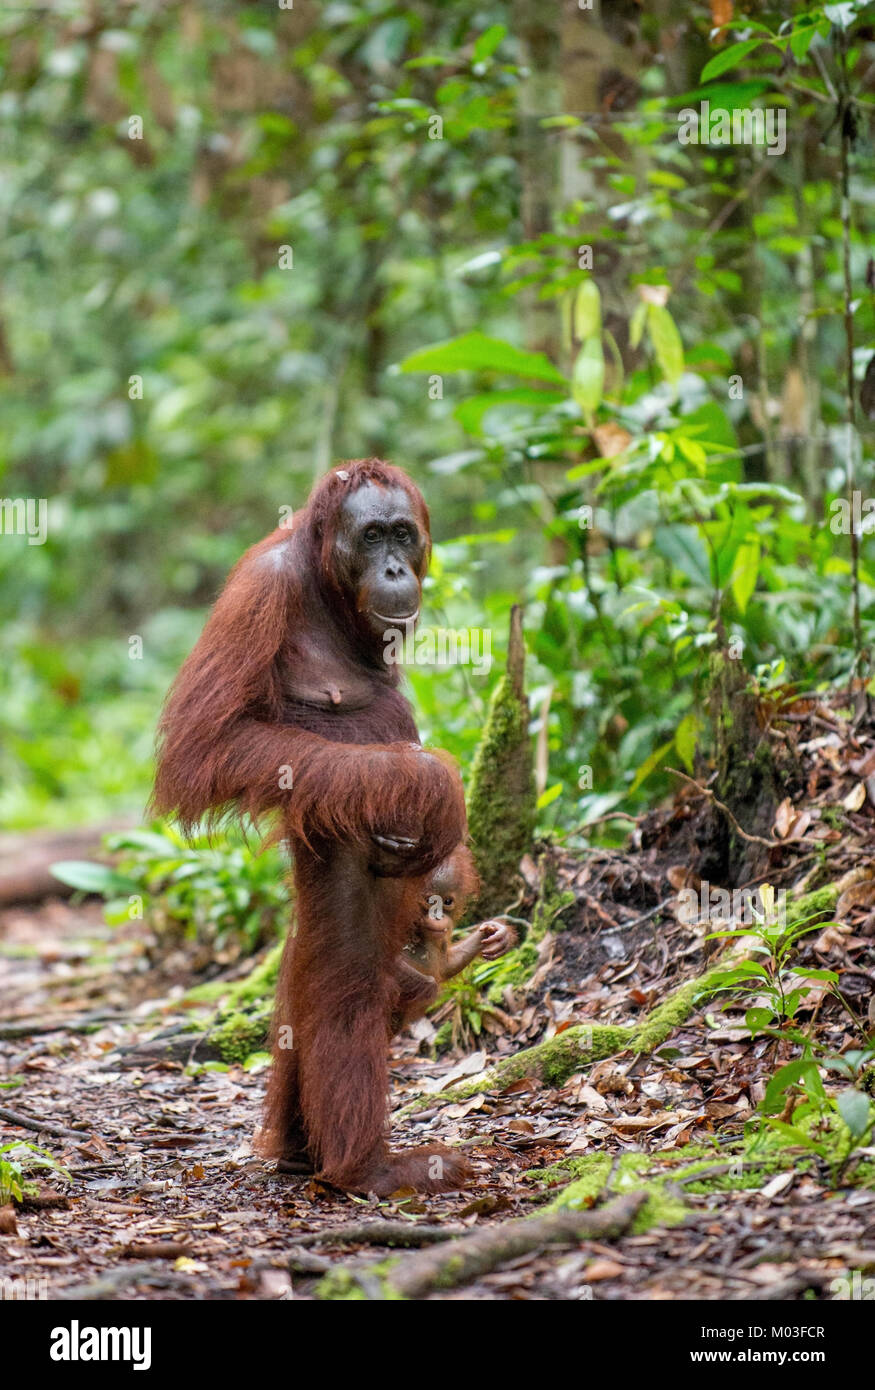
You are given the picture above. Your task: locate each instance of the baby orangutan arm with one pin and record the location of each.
(488, 939)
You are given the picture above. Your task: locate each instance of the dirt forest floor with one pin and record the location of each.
(166, 1199)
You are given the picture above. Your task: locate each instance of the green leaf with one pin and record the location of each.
(549, 795)
(488, 42)
(587, 311)
(853, 1106)
(758, 1019)
(475, 352)
(650, 764)
(803, 1069)
(729, 58)
(471, 412)
(801, 40)
(683, 546)
(666, 342)
(744, 575)
(685, 739)
(588, 377)
(636, 324)
(92, 878)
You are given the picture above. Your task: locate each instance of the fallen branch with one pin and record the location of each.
(379, 1233)
(15, 1117)
(459, 1261)
(108, 1284)
(57, 1023)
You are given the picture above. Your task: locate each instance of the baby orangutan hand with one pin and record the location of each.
(496, 938)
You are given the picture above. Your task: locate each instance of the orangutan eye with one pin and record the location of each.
(403, 533)
(448, 902)
(372, 535)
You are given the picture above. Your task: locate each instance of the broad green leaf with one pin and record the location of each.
(475, 352)
(853, 1106)
(636, 324)
(472, 411)
(550, 794)
(801, 40)
(803, 1069)
(744, 575)
(488, 42)
(666, 342)
(685, 739)
(693, 452)
(758, 1019)
(729, 58)
(682, 546)
(650, 764)
(587, 311)
(588, 377)
(92, 878)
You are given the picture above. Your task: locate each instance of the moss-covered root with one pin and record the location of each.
(457, 1262)
(501, 803)
(552, 1061)
(558, 1058)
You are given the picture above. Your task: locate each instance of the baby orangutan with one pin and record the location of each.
(431, 956)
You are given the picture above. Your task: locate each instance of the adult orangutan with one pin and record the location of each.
(287, 703)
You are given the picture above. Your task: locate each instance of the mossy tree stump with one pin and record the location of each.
(749, 782)
(502, 799)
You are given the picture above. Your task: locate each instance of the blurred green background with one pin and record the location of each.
(234, 239)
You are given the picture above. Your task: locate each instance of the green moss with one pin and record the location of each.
(502, 801)
(664, 1206)
(341, 1284)
(239, 1034)
(670, 1014)
(818, 903)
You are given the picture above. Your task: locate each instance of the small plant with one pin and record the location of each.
(212, 889)
(773, 973)
(797, 1108)
(18, 1159)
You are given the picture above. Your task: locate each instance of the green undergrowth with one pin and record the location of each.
(584, 1179)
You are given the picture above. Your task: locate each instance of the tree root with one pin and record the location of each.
(447, 1266)
(409, 1233)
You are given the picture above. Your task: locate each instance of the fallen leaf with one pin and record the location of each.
(777, 1184)
(855, 797)
(603, 1269)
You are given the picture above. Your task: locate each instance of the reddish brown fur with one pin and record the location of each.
(232, 722)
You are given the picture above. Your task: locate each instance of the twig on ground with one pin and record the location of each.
(379, 1233)
(706, 791)
(15, 1117)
